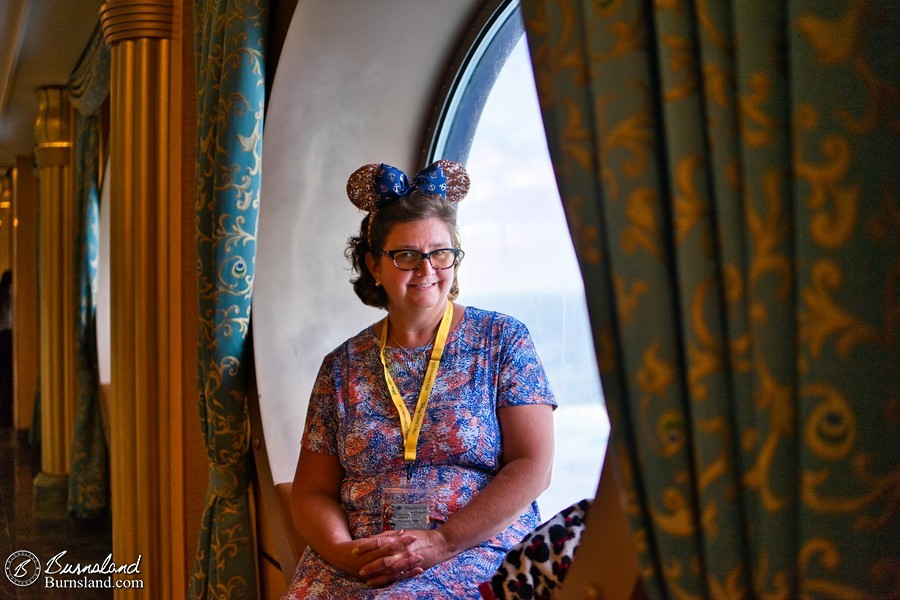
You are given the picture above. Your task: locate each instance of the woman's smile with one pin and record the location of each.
(423, 288)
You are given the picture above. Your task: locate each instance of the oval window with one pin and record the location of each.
(519, 254)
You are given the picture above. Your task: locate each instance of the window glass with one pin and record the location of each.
(520, 261)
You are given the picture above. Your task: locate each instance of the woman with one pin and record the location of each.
(429, 434)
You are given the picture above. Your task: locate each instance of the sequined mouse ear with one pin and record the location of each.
(457, 180)
(361, 187)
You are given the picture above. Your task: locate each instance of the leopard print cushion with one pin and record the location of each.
(536, 567)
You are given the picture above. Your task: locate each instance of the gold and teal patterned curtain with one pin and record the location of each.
(229, 38)
(88, 88)
(729, 175)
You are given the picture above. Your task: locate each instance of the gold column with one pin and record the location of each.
(6, 222)
(145, 258)
(26, 330)
(56, 235)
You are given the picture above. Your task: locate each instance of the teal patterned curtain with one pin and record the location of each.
(230, 39)
(88, 87)
(729, 176)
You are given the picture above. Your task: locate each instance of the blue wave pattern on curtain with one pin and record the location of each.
(726, 170)
(88, 88)
(229, 38)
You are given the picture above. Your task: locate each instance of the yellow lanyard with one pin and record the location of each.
(412, 426)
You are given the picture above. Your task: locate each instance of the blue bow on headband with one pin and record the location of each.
(392, 183)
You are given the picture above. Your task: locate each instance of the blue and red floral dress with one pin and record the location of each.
(489, 362)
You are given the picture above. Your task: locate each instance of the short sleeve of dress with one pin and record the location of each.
(321, 429)
(522, 379)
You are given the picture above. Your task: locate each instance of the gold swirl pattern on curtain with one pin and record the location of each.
(681, 62)
(705, 350)
(842, 41)
(628, 296)
(632, 134)
(643, 230)
(690, 207)
(822, 317)
(831, 228)
(768, 233)
(756, 124)
(778, 400)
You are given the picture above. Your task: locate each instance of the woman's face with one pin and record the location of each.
(423, 287)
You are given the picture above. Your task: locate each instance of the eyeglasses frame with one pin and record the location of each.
(458, 255)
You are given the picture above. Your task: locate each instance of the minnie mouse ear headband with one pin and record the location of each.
(376, 185)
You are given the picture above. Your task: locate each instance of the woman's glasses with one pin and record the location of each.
(410, 260)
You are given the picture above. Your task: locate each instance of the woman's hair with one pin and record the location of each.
(415, 207)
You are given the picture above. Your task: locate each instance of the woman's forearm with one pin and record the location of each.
(321, 521)
(495, 507)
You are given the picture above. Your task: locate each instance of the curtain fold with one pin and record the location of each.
(229, 43)
(725, 169)
(88, 85)
(89, 476)
(88, 88)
